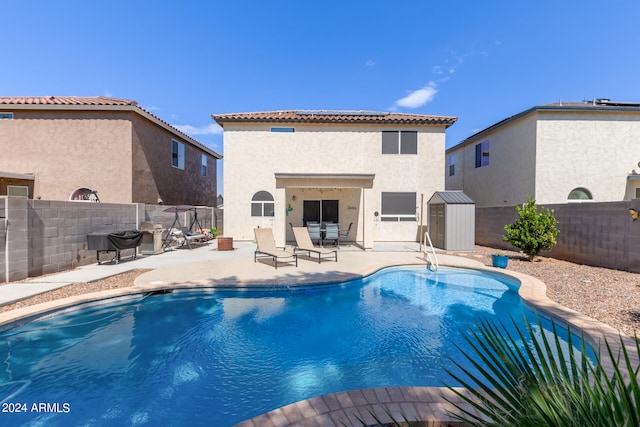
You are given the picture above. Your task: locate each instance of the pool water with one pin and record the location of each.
(218, 358)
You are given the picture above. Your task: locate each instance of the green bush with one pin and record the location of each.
(532, 231)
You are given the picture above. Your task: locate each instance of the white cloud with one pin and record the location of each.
(370, 63)
(212, 129)
(419, 97)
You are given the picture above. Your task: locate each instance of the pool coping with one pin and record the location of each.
(429, 405)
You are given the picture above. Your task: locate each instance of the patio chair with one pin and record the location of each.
(331, 233)
(314, 232)
(267, 247)
(343, 234)
(304, 244)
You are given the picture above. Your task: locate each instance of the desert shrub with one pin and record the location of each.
(533, 230)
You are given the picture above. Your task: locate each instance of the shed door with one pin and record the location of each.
(437, 225)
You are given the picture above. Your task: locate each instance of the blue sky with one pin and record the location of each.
(481, 61)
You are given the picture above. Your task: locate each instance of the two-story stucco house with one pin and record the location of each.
(556, 153)
(88, 148)
(363, 168)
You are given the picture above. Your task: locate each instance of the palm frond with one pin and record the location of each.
(532, 378)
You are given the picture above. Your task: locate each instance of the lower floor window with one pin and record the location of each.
(398, 206)
(262, 204)
(579, 194)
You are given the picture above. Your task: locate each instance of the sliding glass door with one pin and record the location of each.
(319, 211)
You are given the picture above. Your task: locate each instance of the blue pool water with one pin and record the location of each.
(218, 358)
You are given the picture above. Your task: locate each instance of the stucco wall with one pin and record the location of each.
(123, 156)
(155, 178)
(253, 155)
(510, 176)
(69, 150)
(594, 151)
(547, 153)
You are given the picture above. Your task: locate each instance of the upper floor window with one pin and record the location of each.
(203, 167)
(452, 164)
(398, 206)
(482, 154)
(400, 142)
(6, 116)
(262, 204)
(579, 194)
(283, 130)
(177, 154)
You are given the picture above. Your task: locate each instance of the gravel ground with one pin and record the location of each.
(118, 281)
(610, 296)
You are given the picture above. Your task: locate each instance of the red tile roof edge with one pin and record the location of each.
(96, 101)
(333, 116)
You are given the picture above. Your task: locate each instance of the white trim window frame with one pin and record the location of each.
(6, 115)
(397, 206)
(177, 154)
(399, 142)
(580, 195)
(262, 204)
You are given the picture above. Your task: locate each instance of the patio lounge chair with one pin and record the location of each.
(267, 247)
(304, 244)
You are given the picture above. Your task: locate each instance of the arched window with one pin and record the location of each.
(262, 204)
(579, 194)
(84, 195)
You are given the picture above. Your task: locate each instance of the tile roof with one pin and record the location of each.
(63, 100)
(334, 116)
(95, 101)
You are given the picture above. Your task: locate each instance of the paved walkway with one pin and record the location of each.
(205, 265)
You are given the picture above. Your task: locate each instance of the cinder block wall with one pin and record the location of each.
(40, 237)
(599, 234)
(3, 242)
(57, 231)
(16, 231)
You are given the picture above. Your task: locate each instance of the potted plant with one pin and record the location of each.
(214, 232)
(500, 259)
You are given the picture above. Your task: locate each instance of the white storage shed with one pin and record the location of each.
(452, 220)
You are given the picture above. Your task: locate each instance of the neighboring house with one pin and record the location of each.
(556, 153)
(100, 149)
(360, 167)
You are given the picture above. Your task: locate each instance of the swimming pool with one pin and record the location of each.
(217, 358)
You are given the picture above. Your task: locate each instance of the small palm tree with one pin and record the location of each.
(544, 384)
